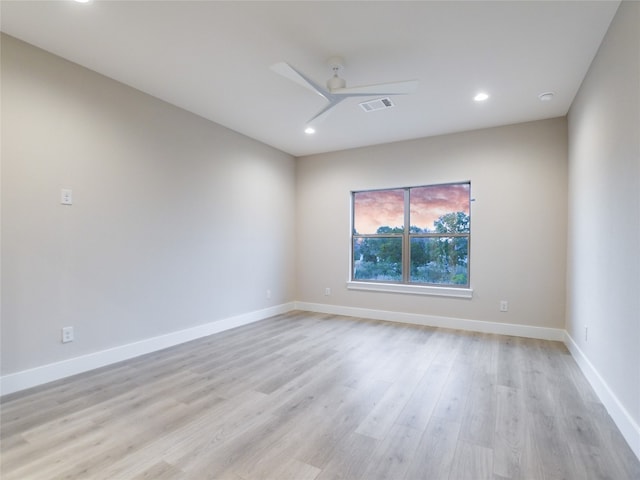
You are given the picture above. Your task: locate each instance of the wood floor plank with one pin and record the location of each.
(510, 366)
(160, 471)
(455, 393)
(418, 409)
(351, 458)
(393, 456)
(52, 463)
(290, 367)
(321, 397)
(552, 451)
(293, 470)
(510, 430)
(434, 454)
(343, 420)
(130, 439)
(46, 440)
(385, 413)
(223, 458)
(479, 415)
(217, 426)
(472, 462)
(301, 434)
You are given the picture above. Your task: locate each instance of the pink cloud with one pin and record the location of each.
(374, 209)
(378, 208)
(430, 203)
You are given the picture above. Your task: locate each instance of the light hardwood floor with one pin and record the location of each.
(310, 396)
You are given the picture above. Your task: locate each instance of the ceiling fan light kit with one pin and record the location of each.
(335, 83)
(337, 90)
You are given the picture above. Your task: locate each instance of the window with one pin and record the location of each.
(412, 235)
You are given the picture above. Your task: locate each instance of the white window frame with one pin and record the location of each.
(404, 286)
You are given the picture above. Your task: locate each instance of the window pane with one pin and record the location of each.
(440, 260)
(380, 211)
(440, 208)
(377, 258)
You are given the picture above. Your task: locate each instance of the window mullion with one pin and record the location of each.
(406, 242)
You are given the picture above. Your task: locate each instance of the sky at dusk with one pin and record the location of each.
(374, 209)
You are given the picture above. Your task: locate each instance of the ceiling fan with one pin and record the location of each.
(336, 90)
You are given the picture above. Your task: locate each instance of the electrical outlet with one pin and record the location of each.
(67, 334)
(268, 293)
(327, 291)
(504, 306)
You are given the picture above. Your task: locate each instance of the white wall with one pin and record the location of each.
(176, 221)
(604, 227)
(518, 177)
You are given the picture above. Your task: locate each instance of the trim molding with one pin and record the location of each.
(33, 377)
(628, 427)
(541, 333)
(411, 289)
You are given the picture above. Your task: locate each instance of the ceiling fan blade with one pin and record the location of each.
(394, 88)
(322, 114)
(300, 78)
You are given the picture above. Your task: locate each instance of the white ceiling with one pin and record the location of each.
(213, 59)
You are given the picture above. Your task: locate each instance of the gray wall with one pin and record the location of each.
(518, 177)
(176, 221)
(604, 212)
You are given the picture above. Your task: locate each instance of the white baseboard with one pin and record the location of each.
(528, 331)
(628, 427)
(54, 371)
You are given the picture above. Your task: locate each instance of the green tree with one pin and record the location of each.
(380, 258)
(389, 249)
(454, 222)
(442, 259)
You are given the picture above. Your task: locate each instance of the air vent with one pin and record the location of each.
(378, 104)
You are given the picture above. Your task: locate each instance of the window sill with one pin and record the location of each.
(412, 289)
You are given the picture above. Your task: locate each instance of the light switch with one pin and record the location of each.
(66, 196)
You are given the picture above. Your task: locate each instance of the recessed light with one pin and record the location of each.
(481, 97)
(546, 96)
(309, 130)
(82, 1)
